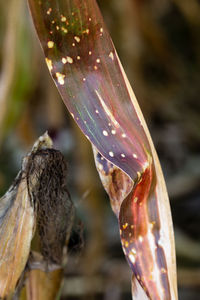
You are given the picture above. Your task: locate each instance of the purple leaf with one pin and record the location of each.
(86, 69)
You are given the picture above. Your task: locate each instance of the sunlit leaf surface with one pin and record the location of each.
(85, 67)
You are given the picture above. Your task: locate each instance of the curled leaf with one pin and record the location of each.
(86, 69)
(116, 183)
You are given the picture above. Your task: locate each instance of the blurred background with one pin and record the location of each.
(158, 42)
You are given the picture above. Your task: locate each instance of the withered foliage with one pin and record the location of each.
(38, 201)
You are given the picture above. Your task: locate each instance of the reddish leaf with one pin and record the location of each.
(86, 69)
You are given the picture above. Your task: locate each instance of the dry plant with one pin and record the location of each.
(36, 205)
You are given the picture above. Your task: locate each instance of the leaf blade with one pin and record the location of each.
(89, 76)
(92, 98)
(16, 231)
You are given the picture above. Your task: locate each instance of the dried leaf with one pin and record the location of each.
(16, 232)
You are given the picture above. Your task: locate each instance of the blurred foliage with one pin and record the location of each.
(159, 44)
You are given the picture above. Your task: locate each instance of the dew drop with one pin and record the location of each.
(111, 154)
(50, 44)
(105, 133)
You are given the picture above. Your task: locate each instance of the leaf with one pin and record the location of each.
(16, 232)
(86, 69)
(116, 183)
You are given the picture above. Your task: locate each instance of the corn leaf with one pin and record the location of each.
(85, 67)
(16, 231)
